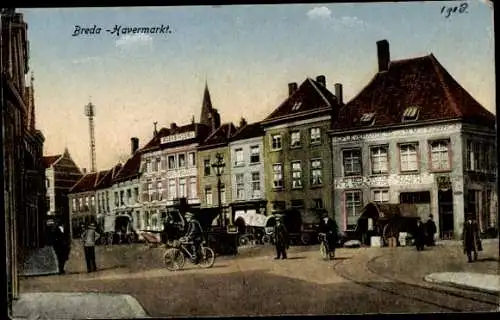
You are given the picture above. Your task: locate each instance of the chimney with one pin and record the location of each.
(173, 126)
(243, 122)
(384, 56)
(338, 93)
(321, 80)
(134, 144)
(292, 87)
(84, 170)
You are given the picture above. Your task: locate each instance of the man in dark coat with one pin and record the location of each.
(60, 243)
(420, 235)
(431, 229)
(470, 238)
(280, 238)
(194, 234)
(329, 227)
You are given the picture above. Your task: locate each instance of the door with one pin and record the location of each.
(445, 203)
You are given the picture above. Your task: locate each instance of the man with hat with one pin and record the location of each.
(329, 227)
(194, 234)
(431, 230)
(89, 238)
(280, 238)
(470, 237)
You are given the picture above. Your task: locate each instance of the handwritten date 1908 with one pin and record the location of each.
(448, 11)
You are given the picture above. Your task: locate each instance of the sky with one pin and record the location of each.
(247, 54)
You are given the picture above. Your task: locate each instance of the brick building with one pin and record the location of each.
(298, 156)
(414, 135)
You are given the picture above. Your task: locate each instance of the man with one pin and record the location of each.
(431, 230)
(329, 227)
(89, 238)
(470, 236)
(194, 234)
(280, 238)
(61, 246)
(420, 235)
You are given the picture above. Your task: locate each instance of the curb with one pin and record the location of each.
(429, 279)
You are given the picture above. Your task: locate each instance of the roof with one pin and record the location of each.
(107, 180)
(248, 131)
(88, 182)
(48, 161)
(220, 136)
(420, 82)
(202, 131)
(388, 210)
(309, 96)
(130, 169)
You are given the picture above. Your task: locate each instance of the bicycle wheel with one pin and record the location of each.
(323, 250)
(243, 241)
(207, 258)
(266, 239)
(174, 259)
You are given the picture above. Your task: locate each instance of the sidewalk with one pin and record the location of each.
(38, 262)
(488, 283)
(60, 305)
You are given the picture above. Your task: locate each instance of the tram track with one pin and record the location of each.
(446, 300)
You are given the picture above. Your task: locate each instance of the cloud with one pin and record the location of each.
(85, 60)
(134, 40)
(319, 13)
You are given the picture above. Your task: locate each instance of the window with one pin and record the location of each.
(148, 165)
(156, 164)
(480, 156)
(380, 195)
(208, 196)
(316, 174)
(368, 119)
(295, 139)
(182, 160)
(254, 154)
(256, 184)
(129, 196)
(163, 163)
(318, 203)
(171, 162)
(297, 203)
(277, 175)
(315, 135)
(352, 162)
(182, 188)
(193, 185)
(80, 207)
(296, 175)
(87, 203)
(240, 186)
(238, 156)
(410, 114)
(408, 157)
(379, 160)
(47, 183)
(74, 205)
(206, 165)
(440, 158)
(353, 206)
(296, 106)
(222, 194)
(107, 201)
(172, 190)
(191, 159)
(136, 195)
(117, 199)
(276, 142)
(158, 191)
(122, 198)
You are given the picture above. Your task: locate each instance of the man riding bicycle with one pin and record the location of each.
(194, 234)
(328, 227)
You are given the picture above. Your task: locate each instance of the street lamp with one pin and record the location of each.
(219, 165)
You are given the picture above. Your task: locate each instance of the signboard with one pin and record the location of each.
(178, 137)
(443, 182)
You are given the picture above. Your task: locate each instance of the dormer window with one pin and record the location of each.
(296, 106)
(368, 118)
(411, 114)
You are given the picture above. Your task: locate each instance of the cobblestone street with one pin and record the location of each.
(359, 281)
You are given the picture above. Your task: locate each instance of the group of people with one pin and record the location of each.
(425, 233)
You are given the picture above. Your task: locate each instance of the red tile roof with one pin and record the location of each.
(421, 82)
(248, 131)
(49, 160)
(107, 180)
(88, 182)
(130, 169)
(311, 95)
(220, 136)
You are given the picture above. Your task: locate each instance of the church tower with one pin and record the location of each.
(209, 115)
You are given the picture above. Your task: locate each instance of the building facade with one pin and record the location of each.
(414, 135)
(247, 171)
(105, 216)
(298, 156)
(61, 174)
(216, 144)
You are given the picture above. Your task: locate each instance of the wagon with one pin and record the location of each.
(386, 220)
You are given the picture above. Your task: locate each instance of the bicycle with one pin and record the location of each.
(175, 256)
(324, 248)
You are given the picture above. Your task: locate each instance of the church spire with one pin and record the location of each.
(206, 107)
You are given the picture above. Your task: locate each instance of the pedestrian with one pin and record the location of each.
(280, 238)
(329, 227)
(62, 246)
(470, 238)
(431, 229)
(89, 238)
(420, 235)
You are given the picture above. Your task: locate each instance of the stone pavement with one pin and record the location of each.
(40, 262)
(61, 305)
(489, 283)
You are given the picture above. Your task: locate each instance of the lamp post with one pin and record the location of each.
(218, 166)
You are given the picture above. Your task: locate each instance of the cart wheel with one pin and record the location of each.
(305, 239)
(243, 241)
